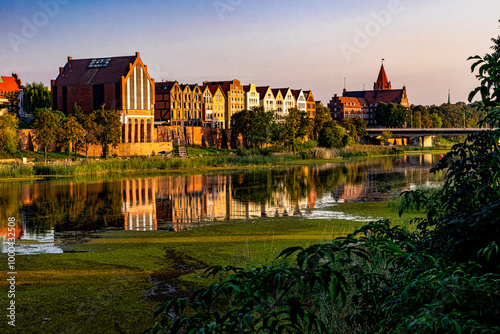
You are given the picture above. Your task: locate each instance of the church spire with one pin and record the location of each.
(382, 82)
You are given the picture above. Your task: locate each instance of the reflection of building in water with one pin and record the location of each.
(139, 204)
(350, 192)
(184, 200)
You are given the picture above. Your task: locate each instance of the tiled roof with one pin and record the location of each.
(166, 85)
(382, 81)
(377, 96)
(9, 84)
(78, 72)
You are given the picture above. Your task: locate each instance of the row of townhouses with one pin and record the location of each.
(214, 103)
(124, 84)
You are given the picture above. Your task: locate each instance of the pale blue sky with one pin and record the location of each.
(284, 43)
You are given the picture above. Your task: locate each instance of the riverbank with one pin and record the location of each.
(122, 276)
(225, 160)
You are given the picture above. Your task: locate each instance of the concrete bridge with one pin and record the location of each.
(423, 135)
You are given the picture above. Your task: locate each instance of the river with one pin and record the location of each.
(46, 211)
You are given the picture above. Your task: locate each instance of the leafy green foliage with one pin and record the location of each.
(71, 133)
(391, 114)
(36, 95)
(46, 124)
(255, 126)
(443, 277)
(332, 135)
(9, 138)
(108, 130)
(323, 117)
(87, 122)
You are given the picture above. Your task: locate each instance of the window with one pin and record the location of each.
(99, 62)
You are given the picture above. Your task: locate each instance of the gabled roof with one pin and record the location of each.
(165, 85)
(78, 72)
(308, 94)
(193, 87)
(213, 89)
(9, 84)
(276, 91)
(184, 87)
(284, 91)
(296, 93)
(262, 90)
(377, 96)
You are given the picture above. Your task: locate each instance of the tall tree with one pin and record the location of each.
(87, 121)
(9, 138)
(109, 129)
(323, 116)
(46, 125)
(295, 127)
(35, 95)
(71, 133)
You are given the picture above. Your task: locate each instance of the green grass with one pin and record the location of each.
(104, 281)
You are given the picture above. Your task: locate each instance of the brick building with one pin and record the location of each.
(10, 88)
(168, 103)
(235, 98)
(121, 83)
(363, 103)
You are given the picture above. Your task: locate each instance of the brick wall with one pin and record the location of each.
(129, 149)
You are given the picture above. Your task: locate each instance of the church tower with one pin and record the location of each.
(382, 82)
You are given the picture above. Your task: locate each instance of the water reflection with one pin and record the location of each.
(45, 211)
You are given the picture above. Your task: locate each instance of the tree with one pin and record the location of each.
(323, 116)
(87, 121)
(332, 135)
(436, 120)
(355, 127)
(295, 127)
(262, 126)
(391, 114)
(254, 126)
(35, 96)
(386, 135)
(109, 129)
(46, 125)
(71, 133)
(9, 138)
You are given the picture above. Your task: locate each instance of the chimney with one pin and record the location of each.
(70, 58)
(138, 55)
(61, 70)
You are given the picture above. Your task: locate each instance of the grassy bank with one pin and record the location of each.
(202, 158)
(110, 278)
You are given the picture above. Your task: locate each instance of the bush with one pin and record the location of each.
(444, 277)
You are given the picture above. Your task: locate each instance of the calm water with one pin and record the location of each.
(51, 210)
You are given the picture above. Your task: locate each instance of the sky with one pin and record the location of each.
(313, 45)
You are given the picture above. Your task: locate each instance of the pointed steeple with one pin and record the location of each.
(382, 82)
